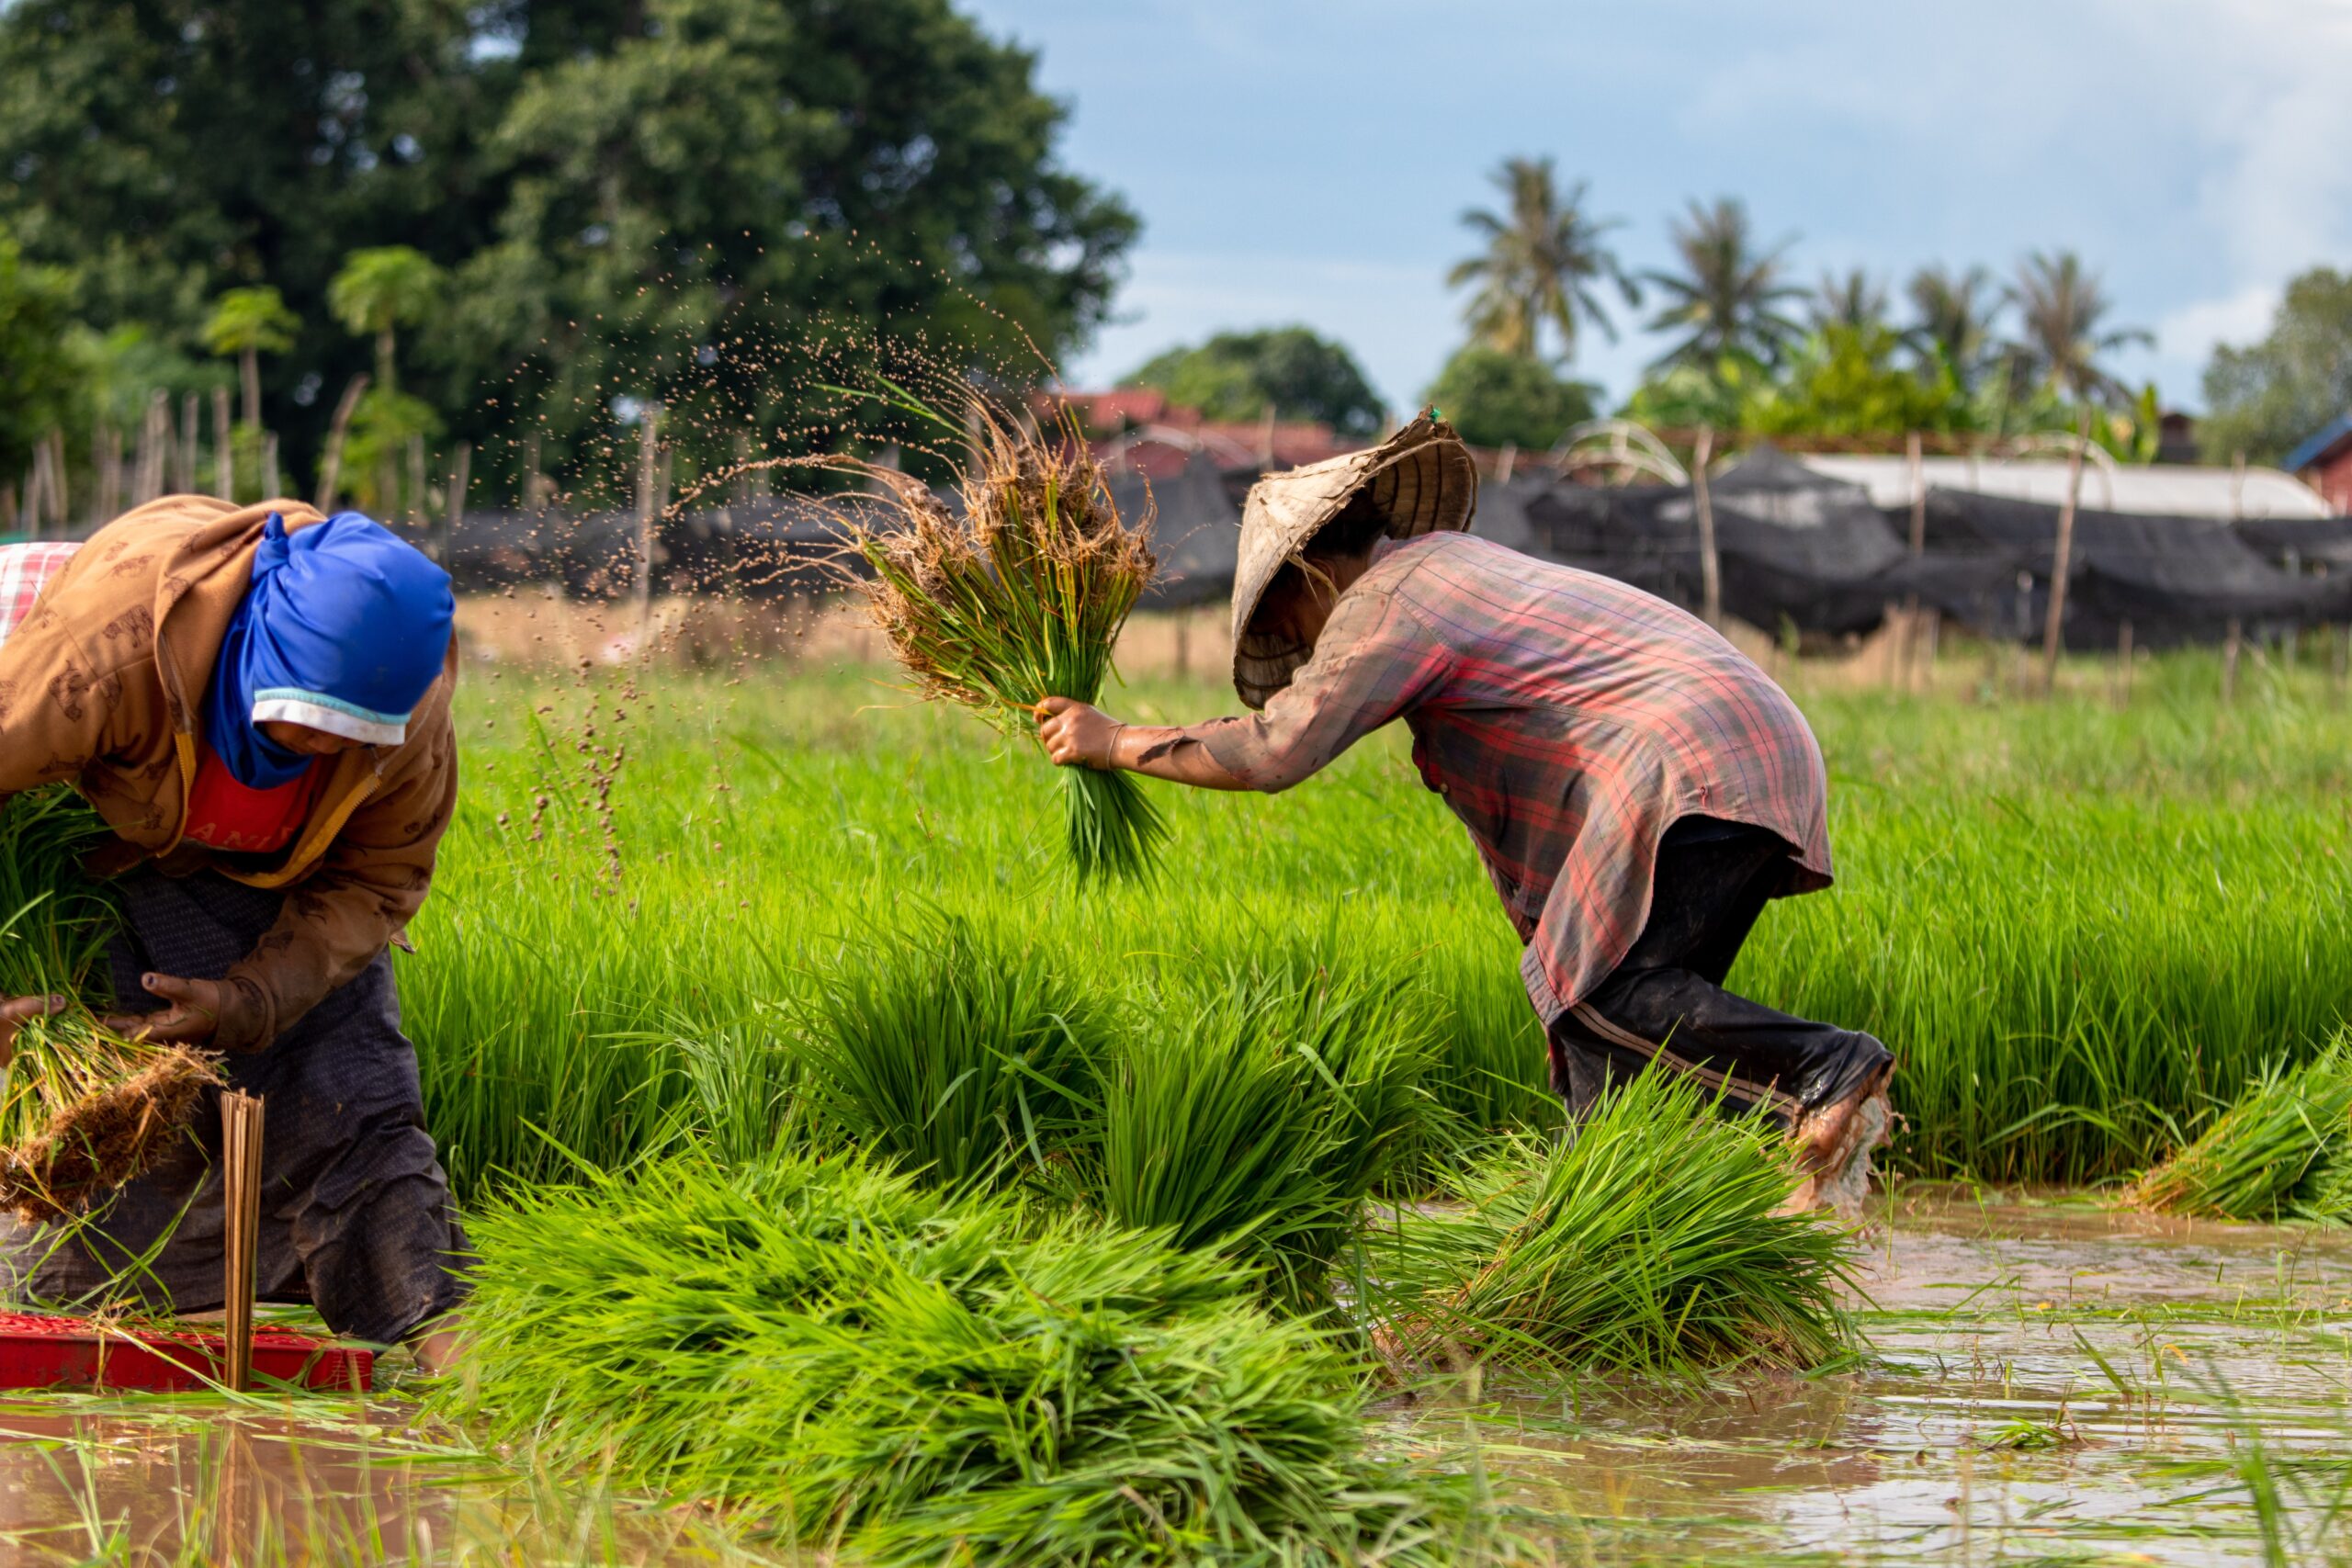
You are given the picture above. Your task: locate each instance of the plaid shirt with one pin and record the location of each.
(1566, 719)
(24, 569)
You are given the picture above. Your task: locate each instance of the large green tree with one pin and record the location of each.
(2063, 308)
(38, 371)
(1953, 313)
(1727, 295)
(2264, 398)
(633, 198)
(1543, 260)
(1289, 371)
(1499, 399)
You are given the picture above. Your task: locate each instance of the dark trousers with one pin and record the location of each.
(1665, 1003)
(355, 1216)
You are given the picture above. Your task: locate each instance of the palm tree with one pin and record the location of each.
(249, 322)
(1727, 297)
(1854, 301)
(1542, 261)
(2061, 305)
(1954, 311)
(380, 289)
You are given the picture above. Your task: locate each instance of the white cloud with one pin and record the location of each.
(2190, 333)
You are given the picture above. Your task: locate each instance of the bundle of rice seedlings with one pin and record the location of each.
(885, 1373)
(1648, 1245)
(2251, 1162)
(82, 1108)
(962, 1058)
(1019, 599)
(1261, 1117)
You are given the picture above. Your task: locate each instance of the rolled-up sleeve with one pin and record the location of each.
(1374, 659)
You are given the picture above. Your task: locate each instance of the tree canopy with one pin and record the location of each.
(612, 188)
(1238, 376)
(1499, 399)
(2265, 397)
(1543, 258)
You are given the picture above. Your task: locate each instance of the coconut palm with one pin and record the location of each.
(1856, 300)
(1727, 297)
(1954, 312)
(2061, 305)
(1542, 263)
(379, 290)
(249, 322)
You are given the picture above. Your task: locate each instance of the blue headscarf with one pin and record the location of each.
(343, 630)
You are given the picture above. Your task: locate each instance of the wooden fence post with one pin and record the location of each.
(2062, 559)
(2124, 663)
(1711, 568)
(270, 489)
(2232, 641)
(1919, 544)
(184, 454)
(649, 475)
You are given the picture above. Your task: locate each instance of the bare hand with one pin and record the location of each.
(1075, 735)
(201, 1010)
(17, 1011)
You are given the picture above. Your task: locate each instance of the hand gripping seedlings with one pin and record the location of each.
(82, 1109)
(1019, 599)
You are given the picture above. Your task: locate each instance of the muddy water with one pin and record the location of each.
(2048, 1381)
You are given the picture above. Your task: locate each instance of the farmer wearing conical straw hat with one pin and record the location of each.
(257, 700)
(1637, 789)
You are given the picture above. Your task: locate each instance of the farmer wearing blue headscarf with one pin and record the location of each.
(256, 701)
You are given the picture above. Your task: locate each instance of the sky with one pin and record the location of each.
(1310, 160)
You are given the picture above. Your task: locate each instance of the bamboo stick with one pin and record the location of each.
(1711, 568)
(2062, 561)
(330, 465)
(2232, 640)
(224, 447)
(184, 451)
(453, 515)
(270, 489)
(241, 1129)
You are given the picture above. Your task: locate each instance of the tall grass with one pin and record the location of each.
(2080, 930)
(1648, 1244)
(1257, 1116)
(892, 1375)
(961, 1057)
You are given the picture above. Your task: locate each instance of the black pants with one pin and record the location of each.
(1665, 1003)
(356, 1217)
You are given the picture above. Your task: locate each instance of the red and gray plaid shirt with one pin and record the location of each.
(1568, 720)
(24, 569)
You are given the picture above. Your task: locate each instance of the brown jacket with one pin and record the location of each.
(102, 684)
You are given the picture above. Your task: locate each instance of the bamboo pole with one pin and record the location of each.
(2062, 559)
(184, 454)
(331, 463)
(224, 447)
(57, 475)
(270, 489)
(2124, 663)
(418, 507)
(106, 457)
(648, 476)
(2232, 641)
(1911, 448)
(241, 1129)
(1710, 570)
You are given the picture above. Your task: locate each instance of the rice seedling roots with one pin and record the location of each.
(114, 1134)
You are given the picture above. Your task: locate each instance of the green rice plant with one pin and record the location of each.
(1019, 599)
(959, 1056)
(1649, 1243)
(889, 1375)
(1259, 1116)
(1490, 1074)
(2325, 1193)
(2251, 1163)
(82, 1109)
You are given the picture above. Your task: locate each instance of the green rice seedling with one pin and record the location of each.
(82, 1108)
(1490, 1072)
(961, 1057)
(1649, 1243)
(2254, 1158)
(889, 1375)
(1020, 598)
(1261, 1117)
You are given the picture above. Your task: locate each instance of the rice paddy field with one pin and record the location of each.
(853, 1184)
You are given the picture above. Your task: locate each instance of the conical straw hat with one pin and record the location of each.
(1421, 479)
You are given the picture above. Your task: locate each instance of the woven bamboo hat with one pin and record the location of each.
(1420, 480)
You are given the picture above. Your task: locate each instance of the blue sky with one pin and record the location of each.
(1309, 160)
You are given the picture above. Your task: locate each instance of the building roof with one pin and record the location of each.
(2158, 490)
(2320, 445)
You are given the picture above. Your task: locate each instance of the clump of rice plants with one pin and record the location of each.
(890, 1374)
(82, 1108)
(2251, 1163)
(1019, 599)
(1260, 1117)
(1649, 1243)
(951, 1053)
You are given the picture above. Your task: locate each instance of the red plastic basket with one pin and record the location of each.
(73, 1352)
